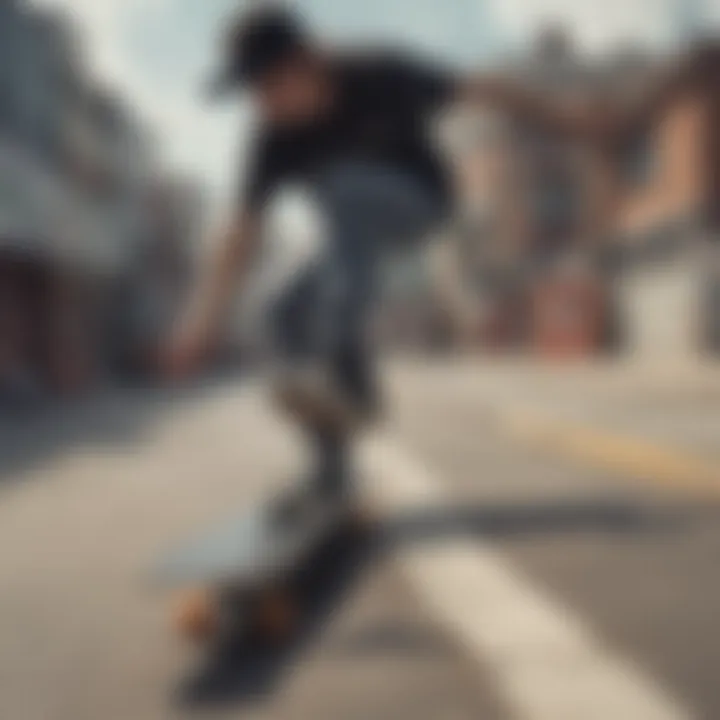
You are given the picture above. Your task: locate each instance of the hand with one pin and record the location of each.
(186, 350)
(192, 340)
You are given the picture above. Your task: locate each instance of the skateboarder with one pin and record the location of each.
(354, 130)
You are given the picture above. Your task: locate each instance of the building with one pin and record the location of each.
(649, 182)
(78, 182)
(36, 61)
(663, 193)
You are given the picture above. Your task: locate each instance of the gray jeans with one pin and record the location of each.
(368, 210)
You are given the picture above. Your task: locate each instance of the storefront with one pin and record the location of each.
(56, 264)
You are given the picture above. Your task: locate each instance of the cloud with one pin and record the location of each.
(192, 138)
(459, 30)
(103, 21)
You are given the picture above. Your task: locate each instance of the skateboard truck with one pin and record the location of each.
(270, 615)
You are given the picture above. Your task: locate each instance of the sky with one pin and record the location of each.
(157, 52)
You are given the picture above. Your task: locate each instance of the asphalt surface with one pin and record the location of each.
(636, 559)
(92, 495)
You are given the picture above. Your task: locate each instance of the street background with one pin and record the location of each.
(545, 483)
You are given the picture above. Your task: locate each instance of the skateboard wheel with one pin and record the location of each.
(196, 616)
(276, 616)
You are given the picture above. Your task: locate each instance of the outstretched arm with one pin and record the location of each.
(536, 106)
(198, 326)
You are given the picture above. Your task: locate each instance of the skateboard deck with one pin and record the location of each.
(238, 575)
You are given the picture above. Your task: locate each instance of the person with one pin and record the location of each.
(353, 128)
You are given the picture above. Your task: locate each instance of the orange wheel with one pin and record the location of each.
(196, 615)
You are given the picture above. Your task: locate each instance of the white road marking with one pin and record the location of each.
(547, 663)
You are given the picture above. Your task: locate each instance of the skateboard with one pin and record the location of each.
(241, 578)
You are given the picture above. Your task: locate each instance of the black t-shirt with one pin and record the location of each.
(381, 113)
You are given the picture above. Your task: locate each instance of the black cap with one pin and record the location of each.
(257, 42)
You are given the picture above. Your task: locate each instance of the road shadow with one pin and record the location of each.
(244, 672)
(597, 515)
(397, 639)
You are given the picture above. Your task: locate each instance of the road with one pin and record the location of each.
(507, 582)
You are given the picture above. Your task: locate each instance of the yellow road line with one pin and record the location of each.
(620, 454)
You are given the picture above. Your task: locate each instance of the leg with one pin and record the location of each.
(296, 318)
(368, 210)
(325, 315)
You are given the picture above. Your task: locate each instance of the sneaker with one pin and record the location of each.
(312, 396)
